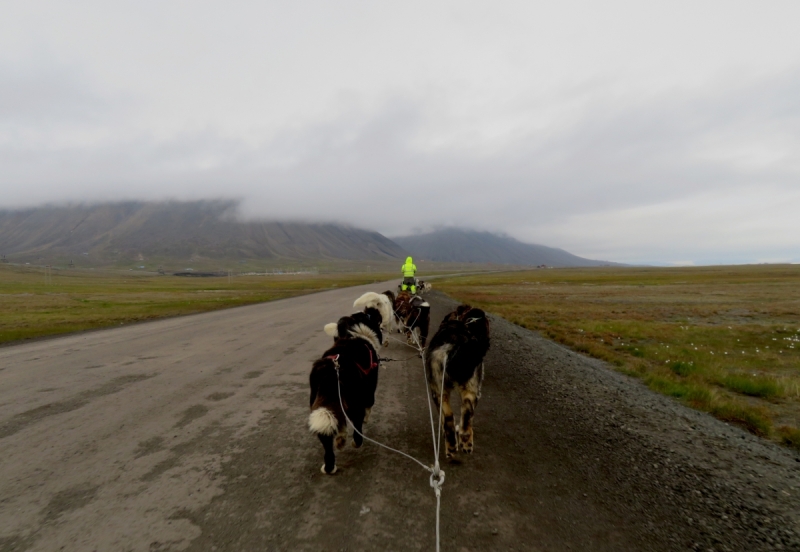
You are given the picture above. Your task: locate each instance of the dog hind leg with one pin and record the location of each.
(341, 438)
(449, 424)
(329, 467)
(465, 431)
(358, 423)
(470, 393)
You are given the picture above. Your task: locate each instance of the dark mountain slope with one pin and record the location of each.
(179, 230)
(466, 246)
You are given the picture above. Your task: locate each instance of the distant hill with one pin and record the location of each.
(120, 232)
(466, 246)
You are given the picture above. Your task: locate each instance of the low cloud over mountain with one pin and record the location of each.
(457, 245)
(115, 232)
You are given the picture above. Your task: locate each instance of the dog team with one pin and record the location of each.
(344, 379)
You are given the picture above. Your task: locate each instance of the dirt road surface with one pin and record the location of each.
(190, 434)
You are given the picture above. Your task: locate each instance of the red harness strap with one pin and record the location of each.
(372, 363)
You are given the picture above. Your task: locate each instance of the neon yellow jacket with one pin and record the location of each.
(409, 269)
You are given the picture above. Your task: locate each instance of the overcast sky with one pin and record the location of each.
(627, 131)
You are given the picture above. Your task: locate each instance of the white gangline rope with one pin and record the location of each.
(338, 383)
(437, 474)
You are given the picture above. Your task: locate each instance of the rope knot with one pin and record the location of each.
(437, 480)
(335, 360)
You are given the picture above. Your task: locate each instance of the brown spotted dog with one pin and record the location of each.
(415, 316)
(352, 366)
(456, 355)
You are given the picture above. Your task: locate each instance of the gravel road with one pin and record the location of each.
(189, 434)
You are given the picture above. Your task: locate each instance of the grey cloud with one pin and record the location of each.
(364, 167)
(40, 96)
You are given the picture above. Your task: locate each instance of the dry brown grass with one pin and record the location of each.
(32, 305)
(725, 340)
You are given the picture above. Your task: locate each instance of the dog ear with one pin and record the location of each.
(332, 329)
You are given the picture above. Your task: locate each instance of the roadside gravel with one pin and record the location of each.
(691, 481)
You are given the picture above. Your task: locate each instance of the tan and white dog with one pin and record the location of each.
(424, 287)
(455, 361)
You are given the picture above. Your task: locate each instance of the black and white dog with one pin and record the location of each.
(352, 366)
(397, 323)
(456, 355)
(384, 305)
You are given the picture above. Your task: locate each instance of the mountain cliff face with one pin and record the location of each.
(121, 232)
(178, 230)
(465, 246)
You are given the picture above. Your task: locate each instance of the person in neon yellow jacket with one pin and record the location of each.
(409, 281)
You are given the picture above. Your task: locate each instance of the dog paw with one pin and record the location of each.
(465, 442)
(341, 441)
(335, 469)
(356, 445)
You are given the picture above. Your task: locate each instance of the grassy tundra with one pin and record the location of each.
(725, 340)
(34, 304)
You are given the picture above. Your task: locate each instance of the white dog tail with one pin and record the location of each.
(332, 329)
(323, 422)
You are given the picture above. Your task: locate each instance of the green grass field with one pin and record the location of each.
(33, 304)
(725, 340)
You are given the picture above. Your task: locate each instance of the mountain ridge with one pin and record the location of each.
(461, 245)
(137, 231)
(113, 232)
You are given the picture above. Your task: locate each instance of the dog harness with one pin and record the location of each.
(372, 362)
